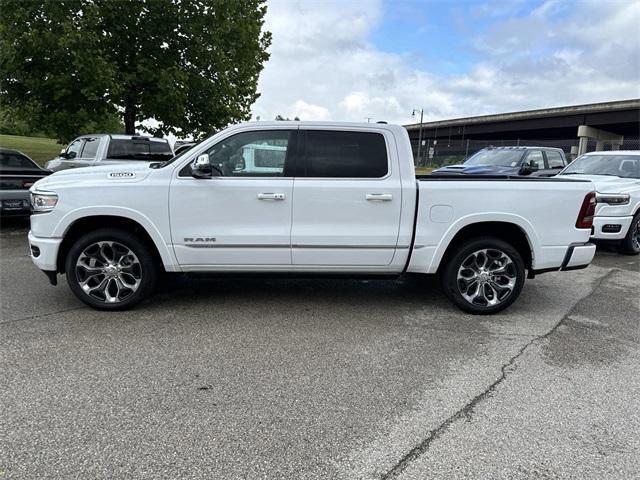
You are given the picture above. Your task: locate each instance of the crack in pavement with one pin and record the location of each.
(467, 410)
(40, 315)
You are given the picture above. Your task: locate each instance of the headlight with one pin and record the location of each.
(43, 201)
(613, 198)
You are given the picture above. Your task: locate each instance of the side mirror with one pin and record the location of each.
(202, 168)
(63, 154)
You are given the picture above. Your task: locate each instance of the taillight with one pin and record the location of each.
(27, 183)
(587, 211)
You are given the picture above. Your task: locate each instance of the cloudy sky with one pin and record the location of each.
(353, 59)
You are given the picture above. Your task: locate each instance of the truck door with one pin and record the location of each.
(242, 216)
(346, 199)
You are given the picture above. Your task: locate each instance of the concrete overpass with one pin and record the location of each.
(576, 129)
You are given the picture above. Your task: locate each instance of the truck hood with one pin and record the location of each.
(608, 184)
(477, 170)
(126, 172)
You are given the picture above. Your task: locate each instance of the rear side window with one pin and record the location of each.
(554, 159)
(146, 150)
(335, 154)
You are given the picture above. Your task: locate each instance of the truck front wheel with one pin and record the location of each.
(485, 275)
(631, 243)
(110, 269)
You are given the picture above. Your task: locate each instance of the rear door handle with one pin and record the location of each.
(379, 197)
(271, 196)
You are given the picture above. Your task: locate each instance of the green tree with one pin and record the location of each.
(192, 65)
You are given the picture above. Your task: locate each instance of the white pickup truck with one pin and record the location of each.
(333, 198)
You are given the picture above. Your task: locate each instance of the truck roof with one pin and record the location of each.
(122, 136)
(295, 123)
(523, 147)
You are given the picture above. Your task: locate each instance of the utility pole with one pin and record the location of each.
(413, 114)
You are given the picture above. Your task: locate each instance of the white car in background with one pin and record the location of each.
(616, 175)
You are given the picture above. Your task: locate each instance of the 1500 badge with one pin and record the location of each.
(121, 175)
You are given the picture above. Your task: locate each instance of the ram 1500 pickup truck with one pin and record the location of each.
(305, 198)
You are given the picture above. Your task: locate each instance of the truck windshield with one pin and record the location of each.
(499, 158)
(626, 166)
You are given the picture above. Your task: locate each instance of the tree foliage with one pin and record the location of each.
(192, 65)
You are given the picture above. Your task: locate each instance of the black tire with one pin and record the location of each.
(141, 264)
(453, 286)
(631, 243)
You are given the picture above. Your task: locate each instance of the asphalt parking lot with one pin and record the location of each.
(304, 379)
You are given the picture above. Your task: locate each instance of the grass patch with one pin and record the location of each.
(38, 148)
(424, 170)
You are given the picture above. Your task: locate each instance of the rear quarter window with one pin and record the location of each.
(133, 149)
(339, 154)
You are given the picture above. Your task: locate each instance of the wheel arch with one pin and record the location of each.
(88, 223)
(508, 231)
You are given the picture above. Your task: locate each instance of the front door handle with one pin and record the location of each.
(271, 196)
(379, 197)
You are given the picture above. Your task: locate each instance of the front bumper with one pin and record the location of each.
(615, 228)
(44, 252)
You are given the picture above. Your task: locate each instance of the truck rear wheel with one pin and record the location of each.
(484, 276)
(110, 269)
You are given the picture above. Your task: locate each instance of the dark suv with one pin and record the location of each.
(539, 161)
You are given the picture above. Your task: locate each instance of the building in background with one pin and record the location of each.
(576, 129)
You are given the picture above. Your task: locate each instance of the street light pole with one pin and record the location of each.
(413, 113)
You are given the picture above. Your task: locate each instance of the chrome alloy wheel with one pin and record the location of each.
(108, 271)
(486, 277)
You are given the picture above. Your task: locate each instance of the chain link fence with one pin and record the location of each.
(442, 151)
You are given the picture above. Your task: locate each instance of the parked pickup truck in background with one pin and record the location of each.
(344, 200)
(106, 149)
(537, 161)
(616, 175)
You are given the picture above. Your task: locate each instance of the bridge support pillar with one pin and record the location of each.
(602, 137)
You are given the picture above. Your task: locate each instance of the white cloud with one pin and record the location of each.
(324, 66)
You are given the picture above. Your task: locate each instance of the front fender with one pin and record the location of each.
(166, 253)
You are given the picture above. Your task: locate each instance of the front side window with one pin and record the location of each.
(251, 154)
(73, 150)
(555, 159)
(90, 148)
(626, 166)
(337, 154)
(535, 160)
